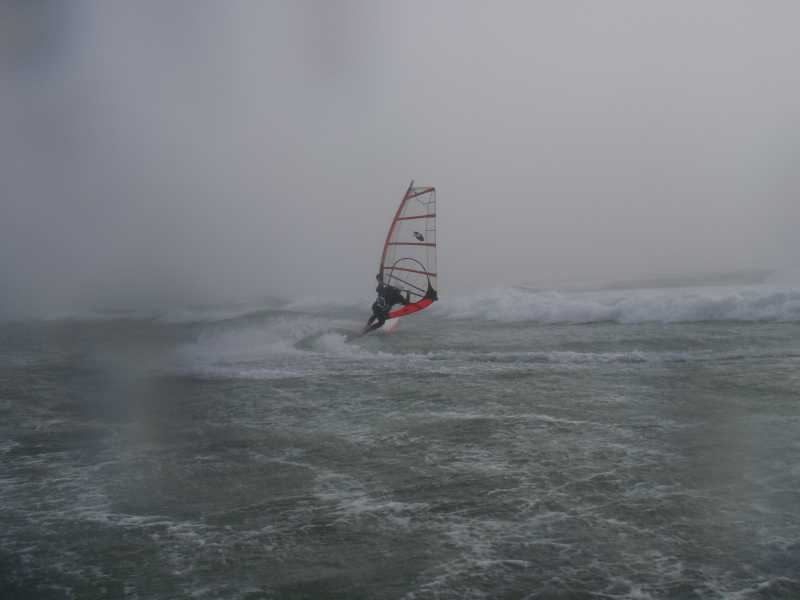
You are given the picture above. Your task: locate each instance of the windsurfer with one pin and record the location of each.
(388, 296)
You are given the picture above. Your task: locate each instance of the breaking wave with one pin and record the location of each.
(749, 303)
(757, 302)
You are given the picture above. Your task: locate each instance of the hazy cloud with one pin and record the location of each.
(200, 152)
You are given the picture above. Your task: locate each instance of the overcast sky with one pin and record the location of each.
(193, 151)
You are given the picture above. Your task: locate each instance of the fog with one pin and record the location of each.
(192, 152)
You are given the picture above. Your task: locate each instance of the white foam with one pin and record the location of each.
(336, 344)
(352, 501)
(258, 373)
(279, 336)
(7, 446)
(741, 303)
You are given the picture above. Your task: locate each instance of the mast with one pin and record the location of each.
(392, 226)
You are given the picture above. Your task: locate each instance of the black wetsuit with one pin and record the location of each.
(388, 296)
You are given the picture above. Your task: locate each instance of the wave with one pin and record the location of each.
(299, 346)
(281, 345)
(182, 315)
(756, 302)
(214, 313)
(741, 303)
(279, 335)
(179, 315)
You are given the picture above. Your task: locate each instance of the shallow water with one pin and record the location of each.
(467, 455)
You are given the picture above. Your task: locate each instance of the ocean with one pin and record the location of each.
(508, 443)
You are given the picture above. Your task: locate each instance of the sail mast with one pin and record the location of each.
(392, 226)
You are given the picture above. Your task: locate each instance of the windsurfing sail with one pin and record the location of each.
(408, 261)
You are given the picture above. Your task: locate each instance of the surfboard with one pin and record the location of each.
(390, 326)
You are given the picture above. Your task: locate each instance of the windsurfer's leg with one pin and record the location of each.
(368, 325)
(372, 325)
(380, 321)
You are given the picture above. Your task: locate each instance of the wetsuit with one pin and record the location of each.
(388, 296)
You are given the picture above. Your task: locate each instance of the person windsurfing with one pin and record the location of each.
(388, 296)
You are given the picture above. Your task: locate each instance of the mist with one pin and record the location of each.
(197, 152)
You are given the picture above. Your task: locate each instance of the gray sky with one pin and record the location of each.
(191, 152)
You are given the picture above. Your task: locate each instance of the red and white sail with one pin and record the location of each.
(408, 261)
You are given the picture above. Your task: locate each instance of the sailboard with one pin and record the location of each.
(390, 326)
(408, 260)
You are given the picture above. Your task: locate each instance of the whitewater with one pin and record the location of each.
(505, 443)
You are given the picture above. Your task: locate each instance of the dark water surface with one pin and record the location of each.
(265, 456)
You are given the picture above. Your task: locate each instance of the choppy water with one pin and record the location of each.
(627, 444)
